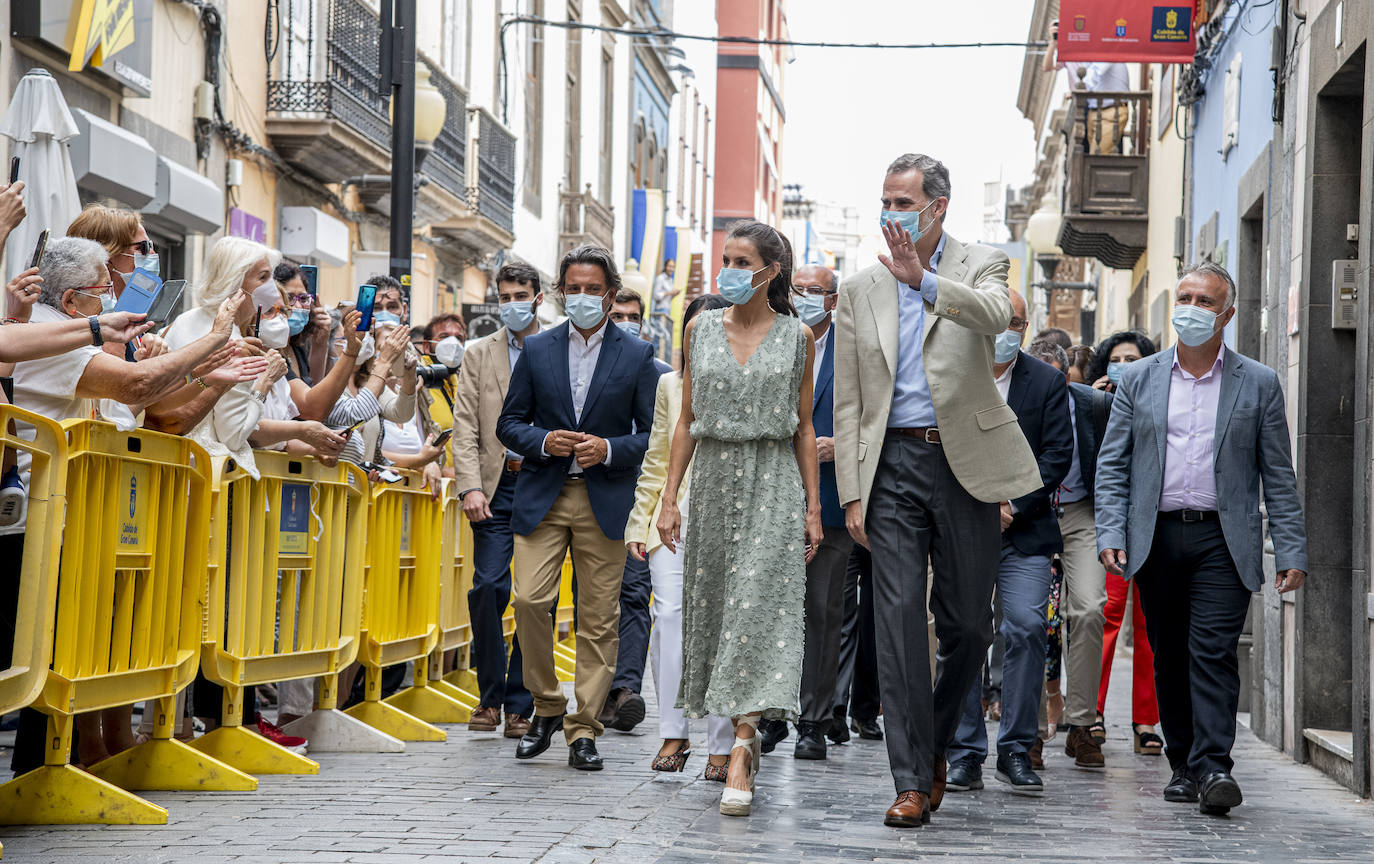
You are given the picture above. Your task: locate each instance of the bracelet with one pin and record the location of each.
(260, 396)
(353, 356)
(201, 382)
(15, 321)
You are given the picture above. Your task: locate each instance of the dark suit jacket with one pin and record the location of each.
(1041, 401)
(1086, 430)
(619, 408)
(823, 419)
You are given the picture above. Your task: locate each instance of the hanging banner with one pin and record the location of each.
(1127, 31)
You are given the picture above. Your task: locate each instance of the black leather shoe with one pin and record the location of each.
(1182, 789)
(629, 711)
(869, 730)
(582, 755)
(838, 733)
(1218, 792)
(1014, 769)
(537, 740)
(810, 741)
(964, 775)
(770, 733)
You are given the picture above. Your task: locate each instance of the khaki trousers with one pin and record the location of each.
(538, 570)
(1081, 603)
(1106, 127)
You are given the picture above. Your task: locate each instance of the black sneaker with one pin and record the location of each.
(1014, 769)
(770, 733)
(964, 775)
(838, 733)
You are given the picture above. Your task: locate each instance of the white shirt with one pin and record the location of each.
(1004, 380)
(279, 406)
(820, 352)
(582, 356)
(48, 386)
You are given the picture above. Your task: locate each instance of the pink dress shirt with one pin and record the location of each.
(1189, 478)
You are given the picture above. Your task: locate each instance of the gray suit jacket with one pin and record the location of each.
(1251, 447)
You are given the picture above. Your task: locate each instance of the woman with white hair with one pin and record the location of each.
(241, 268)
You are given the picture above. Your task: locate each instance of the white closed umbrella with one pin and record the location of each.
(39, 124)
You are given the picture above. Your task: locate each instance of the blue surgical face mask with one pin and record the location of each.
(585, 310)
(1007, 344)
(386, 318)
(107, 301)
(810, 308)
(1114, 371)
(517, 314)
(908, 219)
(297, 320)
(630, 327)
(735, 285)
(149, 263)
(1193, 324)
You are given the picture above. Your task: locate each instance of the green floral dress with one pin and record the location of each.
(744, 575)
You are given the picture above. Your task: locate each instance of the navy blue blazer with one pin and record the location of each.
(1086, 430)
(1040, 399)
(619, 408)
(823, 419)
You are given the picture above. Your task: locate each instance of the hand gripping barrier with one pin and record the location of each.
(284, 597)
(401, 611)
(29, 648)
(455, 621)
(126, 627)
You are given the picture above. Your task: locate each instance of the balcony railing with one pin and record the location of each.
(493, 193)
(584, 220)
(330, 73)
(1106, 196)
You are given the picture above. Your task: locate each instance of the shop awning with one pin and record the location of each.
(185, 201)
(113, 162)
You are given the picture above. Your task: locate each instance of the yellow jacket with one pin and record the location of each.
(642, 526)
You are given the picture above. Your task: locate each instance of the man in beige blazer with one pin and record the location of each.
(485, 473)
(925, 450)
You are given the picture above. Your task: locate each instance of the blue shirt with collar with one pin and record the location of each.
(911, 404)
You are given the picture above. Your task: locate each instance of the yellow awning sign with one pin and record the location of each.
(103, 29)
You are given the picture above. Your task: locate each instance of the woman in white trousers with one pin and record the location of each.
(665, 571)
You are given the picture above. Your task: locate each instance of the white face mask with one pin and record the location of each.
(449, 351)
(274, 332)
(266, 296)
(367, 349)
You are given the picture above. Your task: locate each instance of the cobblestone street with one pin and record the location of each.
(468, 799)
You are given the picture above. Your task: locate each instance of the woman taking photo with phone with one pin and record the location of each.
(746, 429)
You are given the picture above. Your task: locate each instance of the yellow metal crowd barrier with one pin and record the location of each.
(284, 592)
(455, 620)
(401, 611)
(126, 626)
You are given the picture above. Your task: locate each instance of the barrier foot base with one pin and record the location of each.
(463, 679)
(64, 795)
(395, 722)
(168, 764)
(457, 694)
(250, 752)
(430, 705)
(332, 731)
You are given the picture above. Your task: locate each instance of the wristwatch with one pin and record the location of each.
(96, 339)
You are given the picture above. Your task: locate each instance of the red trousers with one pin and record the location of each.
(1144, 707)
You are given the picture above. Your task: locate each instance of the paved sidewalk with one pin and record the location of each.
(468, 799)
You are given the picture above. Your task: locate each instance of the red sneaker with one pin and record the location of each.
(272, 733)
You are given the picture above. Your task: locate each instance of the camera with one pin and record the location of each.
(433, 374)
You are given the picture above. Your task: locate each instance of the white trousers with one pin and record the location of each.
(665, 653)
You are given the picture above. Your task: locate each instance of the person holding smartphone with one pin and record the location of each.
(308, 322)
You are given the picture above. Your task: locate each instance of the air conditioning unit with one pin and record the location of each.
(1345, 292)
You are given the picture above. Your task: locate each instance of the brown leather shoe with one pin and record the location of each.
(1084, 749)
(516, 726)
(485, 719)
(937, 786)
(1037, 755)
(910, 810)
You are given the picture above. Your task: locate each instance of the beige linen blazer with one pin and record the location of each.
(484, 376)
(979, 433)
(642, 526)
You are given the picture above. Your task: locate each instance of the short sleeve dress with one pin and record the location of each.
(744, 574)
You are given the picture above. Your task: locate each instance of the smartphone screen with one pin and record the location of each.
(141, 291)
(14, 170)
(161, 310)
(366, 295)
(310, 275)
(38, 249)
(442, 438)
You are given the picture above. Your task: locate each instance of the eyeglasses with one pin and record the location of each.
(99, 289)
(814, 291)
(301, 301)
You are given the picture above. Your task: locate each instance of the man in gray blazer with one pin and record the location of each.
(925, 450)
(1194, 433)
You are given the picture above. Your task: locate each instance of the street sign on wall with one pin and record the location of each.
(1127, 31)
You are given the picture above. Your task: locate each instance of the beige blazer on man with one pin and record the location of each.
(478, 457)
(981, 438)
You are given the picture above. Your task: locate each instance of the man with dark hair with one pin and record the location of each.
(1056, 335)
(390, 297)
(578, 412)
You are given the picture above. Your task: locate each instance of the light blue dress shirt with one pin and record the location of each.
(1073, 488)
(911, 405)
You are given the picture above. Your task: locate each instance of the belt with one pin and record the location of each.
(513, 465)
(930, 434)
(1186, 515)
(575, 478)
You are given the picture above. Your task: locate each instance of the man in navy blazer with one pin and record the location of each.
(815, 293)
(1195, 432)
(1036, 391)
(578, 410)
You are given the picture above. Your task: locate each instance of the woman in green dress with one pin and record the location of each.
(754, 512)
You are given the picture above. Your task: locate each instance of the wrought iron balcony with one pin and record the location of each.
(490, 220)
(1106, 193)
(584, 220)
(328, 116)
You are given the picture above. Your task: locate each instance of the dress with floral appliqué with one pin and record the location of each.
(744, 574)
